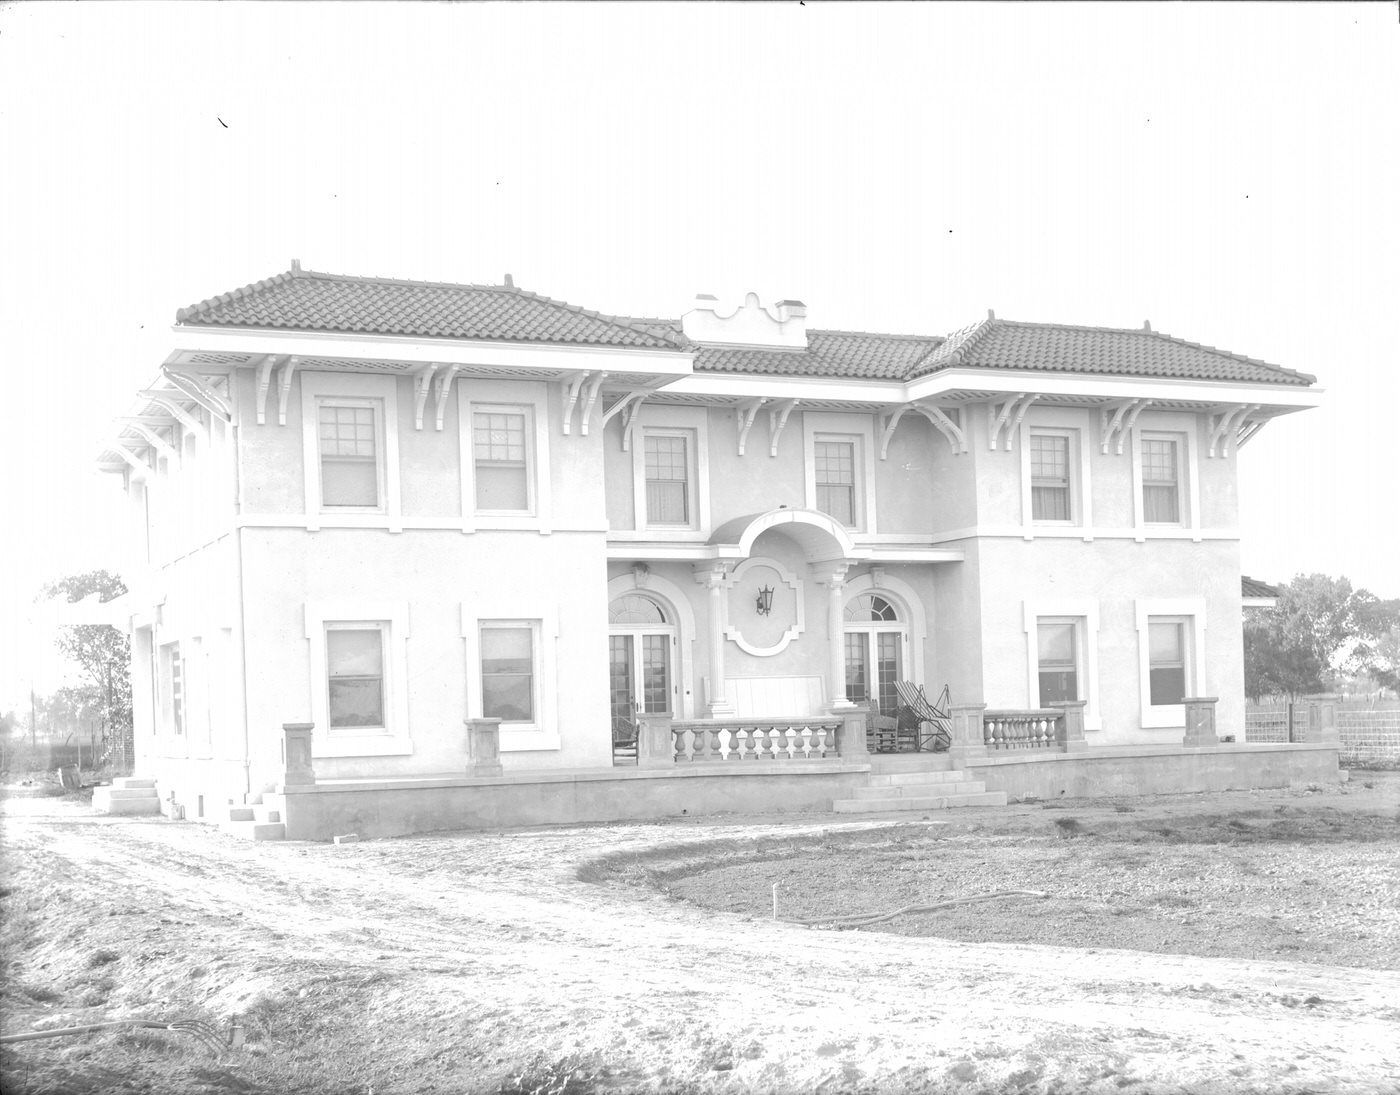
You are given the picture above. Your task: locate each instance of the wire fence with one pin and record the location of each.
(1369, 731)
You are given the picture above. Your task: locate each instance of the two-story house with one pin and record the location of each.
(387, 508)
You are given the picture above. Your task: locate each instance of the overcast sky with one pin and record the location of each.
(1228, 172)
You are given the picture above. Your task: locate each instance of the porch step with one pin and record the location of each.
(255, 812)
(903, 779)
(946, 801)
(127, 795)
(255, 830)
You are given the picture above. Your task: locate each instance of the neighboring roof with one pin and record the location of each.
(309, 301)
(1057, 347)
(1250, 588)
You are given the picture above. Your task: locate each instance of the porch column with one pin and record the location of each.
(296, 754)
(712, 576)
(1200, 722)
(968, 740)
(1322, 719)
(832, 575)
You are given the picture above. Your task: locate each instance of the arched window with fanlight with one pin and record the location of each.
(877, 642)
(641, 641)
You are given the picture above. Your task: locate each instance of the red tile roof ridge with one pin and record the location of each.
(296, 271)
(1150, 333)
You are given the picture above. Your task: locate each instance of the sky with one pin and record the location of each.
(1228, 172)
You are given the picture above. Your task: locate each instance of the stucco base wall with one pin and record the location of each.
(398, 807)
(1158, 771)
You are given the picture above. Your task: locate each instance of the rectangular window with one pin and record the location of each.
(836, 479)
(355, 675)
(1166, 661)
(508, 672)
(350, 454)
(857, 669)
(656, 669)
(667, 464)
(500, 440)
(1058, 660)
(1050, 481)
(172, 674)
(1161, 487)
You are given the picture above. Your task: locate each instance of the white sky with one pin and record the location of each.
(1229, 172)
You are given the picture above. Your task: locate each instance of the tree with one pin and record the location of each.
(1320, 624)
(101, 651)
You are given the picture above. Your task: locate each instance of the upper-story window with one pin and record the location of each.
(1051, 487)
(835, 470)
(352, 470)
(1161, 479)
(666, 458)
(501, 454)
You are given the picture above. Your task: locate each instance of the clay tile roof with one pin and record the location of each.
(308, 301)
(1056, 347)
(1251, 588)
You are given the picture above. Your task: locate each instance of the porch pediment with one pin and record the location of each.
(819, 536)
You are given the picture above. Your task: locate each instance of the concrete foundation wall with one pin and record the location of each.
(391, 808)
(1111, 772)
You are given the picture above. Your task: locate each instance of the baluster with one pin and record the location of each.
(738, 742)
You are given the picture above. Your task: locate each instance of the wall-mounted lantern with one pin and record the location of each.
(764, 604)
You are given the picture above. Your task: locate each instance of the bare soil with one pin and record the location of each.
(1246, 942)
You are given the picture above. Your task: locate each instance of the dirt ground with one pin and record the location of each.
(1167, 955)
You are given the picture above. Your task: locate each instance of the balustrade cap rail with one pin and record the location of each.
(686, 724)
(1032, 713)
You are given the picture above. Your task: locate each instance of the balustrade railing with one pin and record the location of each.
(1035, 729)
(758, 739)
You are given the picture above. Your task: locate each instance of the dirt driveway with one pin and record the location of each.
(468, 962)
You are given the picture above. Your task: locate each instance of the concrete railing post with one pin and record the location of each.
(296, 755)
(968, 740)
(852, 746)
(1200, 722)
(1322, 719)
(483, 747)
(656, 745)
(1069, 727)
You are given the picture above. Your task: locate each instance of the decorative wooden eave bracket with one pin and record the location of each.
(630, 406)
(443, 387)
(745, 415)
(139, 468)
(145, 427)
(194, 386)
(1006, 417)
(171, 400)
(777, 421)
(886, 421)
(1226, 427)
(1250, 427)
(1116, 420)
(422, 385)
(284, 388)
(581, 389)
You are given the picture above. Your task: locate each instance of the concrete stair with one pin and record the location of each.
(254, 820)
(898, 791)
(127, 795)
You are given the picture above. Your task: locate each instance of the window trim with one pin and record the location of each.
(380, 392)
(174, 703)
(1080, 611)
(1070, 425)
(392, 618)
(858, 430)
(692, 423)
(1192, 612)
(543, 732)
(511, 397)
(1188, 483)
